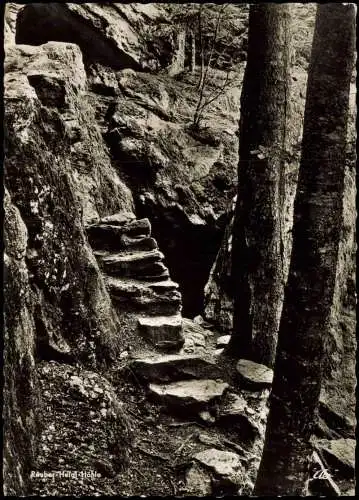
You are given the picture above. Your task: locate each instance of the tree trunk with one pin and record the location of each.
(177, 65)
(316, 234)
(193, 53)
(201, 46)
(257, 257)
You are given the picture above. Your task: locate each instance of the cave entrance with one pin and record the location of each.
(190, 252)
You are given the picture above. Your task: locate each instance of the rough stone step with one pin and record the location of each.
(234, 413)
(132, 264)
(162, 330)
(163, 276)
(137, 294)
(138, 244)
(125, 243)
(254, 375)
(172, 367)
(137, 287)
(223, 341)
(226, 465)
(107, 234)
(163, 285)
(118, 219)
(189, 394)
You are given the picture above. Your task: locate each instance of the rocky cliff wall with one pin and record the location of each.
(58, 177)
(21, 395)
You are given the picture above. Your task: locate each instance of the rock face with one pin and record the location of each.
(181, 179)
(51, 181)
(56, 300)
(21, 396)
(111, 35)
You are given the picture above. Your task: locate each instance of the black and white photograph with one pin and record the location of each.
(179, 249)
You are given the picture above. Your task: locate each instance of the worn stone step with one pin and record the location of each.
(140, 294)
(254, 375)
(172, 367)
(108, 234)
(131, 264)
(191, 394)
(125, 243)
(119, 219)
(162, 331)
(138, 244)
(163, 276)
(223, 341)
(119, 286)
(226, 465)
(159, 286)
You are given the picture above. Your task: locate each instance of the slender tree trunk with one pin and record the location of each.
(177, 65)
(199, 108)
(193, 52)
(316, 234)
(201, 46)
(257, 257)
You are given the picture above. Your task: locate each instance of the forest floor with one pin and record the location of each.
(104, 435)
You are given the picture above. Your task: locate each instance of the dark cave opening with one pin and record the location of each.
(189, 250)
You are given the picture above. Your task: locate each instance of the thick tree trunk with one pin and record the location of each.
(257, 257)
(316, 233)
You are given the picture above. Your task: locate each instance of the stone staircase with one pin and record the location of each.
(180, 367)
(137, 278)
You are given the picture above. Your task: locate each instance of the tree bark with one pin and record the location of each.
(193, 52)
(316, 233)
(257, 257)
(201, 46)
(177, 65)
